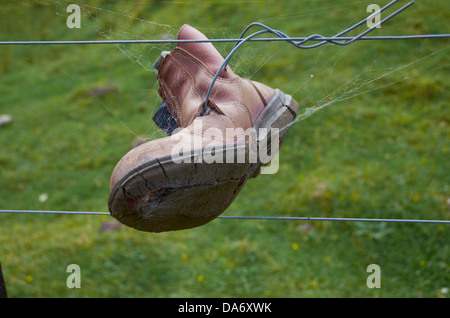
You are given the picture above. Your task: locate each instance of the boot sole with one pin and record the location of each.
(162, 195)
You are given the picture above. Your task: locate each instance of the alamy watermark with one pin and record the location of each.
(263, 143)
(373, 20)
(232, 145)
(74, 279)
(374, 279)
(74, 19)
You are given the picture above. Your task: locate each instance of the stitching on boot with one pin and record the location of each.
(202, 65)
(259, 93)
(177, 107)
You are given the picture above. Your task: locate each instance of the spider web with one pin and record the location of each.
(261, 61)
(111, 22)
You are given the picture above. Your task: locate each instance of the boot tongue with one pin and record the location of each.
(205, 52)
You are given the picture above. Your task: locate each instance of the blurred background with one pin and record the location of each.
(378, 147)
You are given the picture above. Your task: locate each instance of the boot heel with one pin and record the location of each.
(278, 114)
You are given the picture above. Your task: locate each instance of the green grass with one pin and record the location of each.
(382, 153)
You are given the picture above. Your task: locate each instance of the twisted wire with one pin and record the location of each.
(301, 44)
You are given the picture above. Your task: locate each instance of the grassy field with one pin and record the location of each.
(378, 148)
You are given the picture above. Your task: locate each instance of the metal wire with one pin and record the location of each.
(298, 42)
(280, 218)
(316, 37)
(333, 40)
(308, 218)
(301, 44)
(55, 212)
(337, 39)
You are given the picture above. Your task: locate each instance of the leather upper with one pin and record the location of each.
(186, 74)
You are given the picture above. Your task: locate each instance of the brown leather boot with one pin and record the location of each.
(189, 178)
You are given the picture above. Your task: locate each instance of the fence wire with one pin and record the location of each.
(298, 42)
(278, 218)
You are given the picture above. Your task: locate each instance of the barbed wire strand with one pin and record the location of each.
(280, 218)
